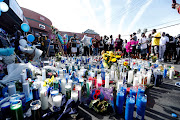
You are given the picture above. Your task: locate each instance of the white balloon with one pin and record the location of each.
(4, 7)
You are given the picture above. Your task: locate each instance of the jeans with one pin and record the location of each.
(95, 51)
(162, 49)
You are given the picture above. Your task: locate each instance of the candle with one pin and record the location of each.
(133, 91)
(81, 80)
(5, 109)
(22, 97)
(43, 74)
(16, 110)
(68, 91)
(140, 92)
(115, 76)
(107, 81)
(26, 89)
(148, 78)
(124, 89)
(74, 95)
(130, 76)
(78, 88)
(63, 83)
(99, 81)
(130, 102)
(112, 75)
(140, 79)
(141, 107)
(120, 102)
(23, 79)
(135, 81)
(119, 84)
(44, 99)
(57, 100)
(35, 92)
(11, 89)
(25, 73)
(55, 84)
(171, 76)
(88, 87)
(35, 109)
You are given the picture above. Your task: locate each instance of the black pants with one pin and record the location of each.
(86, 51)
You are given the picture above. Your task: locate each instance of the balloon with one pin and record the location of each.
(66, 36)
(0, 12)
(25, 27)
(87, 40)
(30, 38)
(1, 0)
(60, 39)
(4, 7)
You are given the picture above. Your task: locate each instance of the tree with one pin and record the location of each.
(138, 31)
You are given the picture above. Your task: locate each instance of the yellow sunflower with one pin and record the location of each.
(125, 63)
(111, 54)
(113, 60)
(118, 56)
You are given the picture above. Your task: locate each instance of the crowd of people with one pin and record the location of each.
(160, 45)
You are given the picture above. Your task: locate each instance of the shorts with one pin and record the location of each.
(143, 51)
(133, 49)
(74, 49)
(155, 49)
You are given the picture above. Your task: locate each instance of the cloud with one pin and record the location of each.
(138, 15)
(120, 26)
(107, 14)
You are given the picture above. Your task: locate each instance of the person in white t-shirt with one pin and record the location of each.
(143, 42)
(162, 46)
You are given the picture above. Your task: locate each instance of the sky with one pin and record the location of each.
(107, 17)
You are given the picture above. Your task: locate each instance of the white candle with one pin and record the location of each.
(23, 79)
(135, 82)
(63, 83)
(116, 76)
(43, 74)
(119, 83)
(25, 73)
(112, 74)
(107, 81)
(11, 89)
(99, 81)
(171, 76)
(70, 82)
(57, 100)
(26, 89)
(148, 78)
(74, 95)
(44, 99)
(130, 76)
(81, 80)
(68, 91)
(78, 88)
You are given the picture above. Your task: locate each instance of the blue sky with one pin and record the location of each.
(106, 16)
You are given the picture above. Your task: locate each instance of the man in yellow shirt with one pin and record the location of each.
(155, 42)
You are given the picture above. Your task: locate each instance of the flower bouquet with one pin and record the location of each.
(58, 56)
(153, 58)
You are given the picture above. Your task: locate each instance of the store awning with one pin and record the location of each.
(14, 17)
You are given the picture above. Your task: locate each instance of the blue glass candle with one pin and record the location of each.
(141, 107)
(124, 89)
(133, 91)
(89, 67)
(35, 92)
(130, 102)
(5, 109)
(103, 75)
(120, 102)
(165, 73)
(141, 90)
(23, 99)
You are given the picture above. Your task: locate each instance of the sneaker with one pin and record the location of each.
(177, 84)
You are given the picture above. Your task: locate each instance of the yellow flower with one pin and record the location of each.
(125, 63)
(107, 52)
(118, 56)
(105, 58)
(111, 53)
(48, 80)
(52, 78)
(105, 65)
(44, 85)
(113, 60)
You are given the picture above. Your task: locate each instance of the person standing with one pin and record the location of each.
(73, 45)
(43, 40)
(106, 39)
(149, 39)
(95, 46)
(143, 43)
(124, 48)
(178, 49)
(101, 45)
(78, 46)
(162, 46)
(111, 43)
(118, 43)
(155, 43)
(85, 46)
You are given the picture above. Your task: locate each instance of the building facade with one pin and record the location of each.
(37, 22)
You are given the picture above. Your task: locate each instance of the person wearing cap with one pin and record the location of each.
(143, 45)
(73, 45)
(155, 42)
(162, 46)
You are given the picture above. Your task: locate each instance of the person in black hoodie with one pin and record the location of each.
(178, 49)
